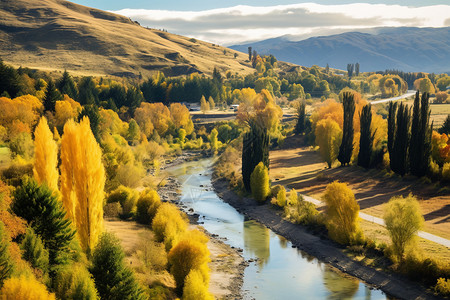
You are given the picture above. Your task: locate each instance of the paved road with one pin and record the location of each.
(379, 221)
(408, 93)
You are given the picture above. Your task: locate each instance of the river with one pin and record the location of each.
(276, 270)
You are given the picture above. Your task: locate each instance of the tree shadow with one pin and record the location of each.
(442, 212)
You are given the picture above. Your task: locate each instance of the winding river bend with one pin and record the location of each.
(276, 270)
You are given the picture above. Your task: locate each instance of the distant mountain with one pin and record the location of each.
(403, 48)
(57, 34)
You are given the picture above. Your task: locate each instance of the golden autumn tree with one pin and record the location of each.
(83, 181)
(45, 156)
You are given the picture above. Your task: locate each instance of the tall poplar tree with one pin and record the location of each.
(366, 138)
(392, 126)
(346, 148)
(45, 156)
(399, 159)
(83, 181)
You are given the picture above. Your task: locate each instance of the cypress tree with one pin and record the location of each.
(255, 149)
(366, 139)
(446, 126)
(420, 144)
(346, 148)
(399, 161)
(67, 86)
(392, 126)
(51, 96)
(301, 113)
(38, 205)
(357, 69)
(250, 53)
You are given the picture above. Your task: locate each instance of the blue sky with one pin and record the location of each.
(237, 22)
(210, 4)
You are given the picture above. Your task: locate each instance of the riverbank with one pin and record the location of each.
(323, 249)
(227, 264)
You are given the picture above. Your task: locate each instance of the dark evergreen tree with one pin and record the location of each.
(87, 91)
(399, 157)
(392, 126)
(301, 115)
(38, 205)
(51, 96)
(113, 280)
(34, 252)
(255, 149)
(357, 69)
(6, 266)
(92, 112)
(346, 148)
(420, 143)
(350, 68)
(67, 86)
(445, 127)
(10, 82)
(250, 53)
(327, 69)
(134, 98)
(366, 138)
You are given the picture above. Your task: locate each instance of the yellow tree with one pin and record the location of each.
(328, 138)
(45, 156)
(83, 181)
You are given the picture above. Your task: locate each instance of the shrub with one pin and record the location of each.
(342, 212)
(281, 197)
(403, 219)
(446, 172)
(147, 205)
(127, 198)
(168, 224)
(259, 182)
(129, 175)
(22, 145)
(302, 212)
(34, 252)
(75, 282)
(435, 171)
(113, 279)
(189, 254)
(152, 254)
(443, 286)
(195, 288)
(23, 288)
(292, 198)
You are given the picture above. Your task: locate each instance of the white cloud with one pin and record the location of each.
(241, 23)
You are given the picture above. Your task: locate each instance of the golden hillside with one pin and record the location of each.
(58, 35)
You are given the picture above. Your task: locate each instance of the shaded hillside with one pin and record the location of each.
(57, 34)
(407, 49)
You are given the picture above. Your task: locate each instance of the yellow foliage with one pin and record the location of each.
(111, 123)
(65, 110)
(23, 110)
(83, 181)
(181, 117)
(45, 156)
(153, 116)
(23, 288)
(328, 138)
(342, 212)
(259, 182)
(443, 286)
(168, 224)
(281, 197)
(195, 288)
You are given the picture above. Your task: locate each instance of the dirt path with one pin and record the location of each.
(324, 250)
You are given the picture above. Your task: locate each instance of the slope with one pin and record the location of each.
(404, 48)
(57, 34)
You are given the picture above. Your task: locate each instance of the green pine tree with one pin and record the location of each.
(34, 252)
(51, 96)
(92, 112)
(301, 115)
(346, 148)
(445, 127)
(67, 86)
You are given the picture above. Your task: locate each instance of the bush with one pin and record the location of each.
(189, 254)
(403, 219)
(75, 282)
(22, 145)
(446, 172)
(302, 212)
(281, 197)
(435, 172)
(292, 198)
(147, 205)
(23, 288)
(113, 279)
(342, 213)
(34, 252)
(152, 254)
(127, 198)
(129, 175)
(195, 288)
(443, 286)
(168, 224)
(259, 182)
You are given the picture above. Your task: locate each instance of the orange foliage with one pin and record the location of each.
(181, 117)
(65, 110)
(24, 109)
(13, 224)
(440, 148)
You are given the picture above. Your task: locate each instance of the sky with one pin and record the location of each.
(238, 22)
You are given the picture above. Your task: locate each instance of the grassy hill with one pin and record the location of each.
(404, 48)
(58, 35)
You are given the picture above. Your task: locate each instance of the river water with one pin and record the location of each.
(276, 270)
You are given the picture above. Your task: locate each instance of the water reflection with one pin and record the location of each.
(339, 285)
(257, 241)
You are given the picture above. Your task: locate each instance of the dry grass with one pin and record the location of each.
(58, 35)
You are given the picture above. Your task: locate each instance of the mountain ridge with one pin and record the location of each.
(403, 48)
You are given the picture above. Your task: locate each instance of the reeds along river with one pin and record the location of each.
(276, 270)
